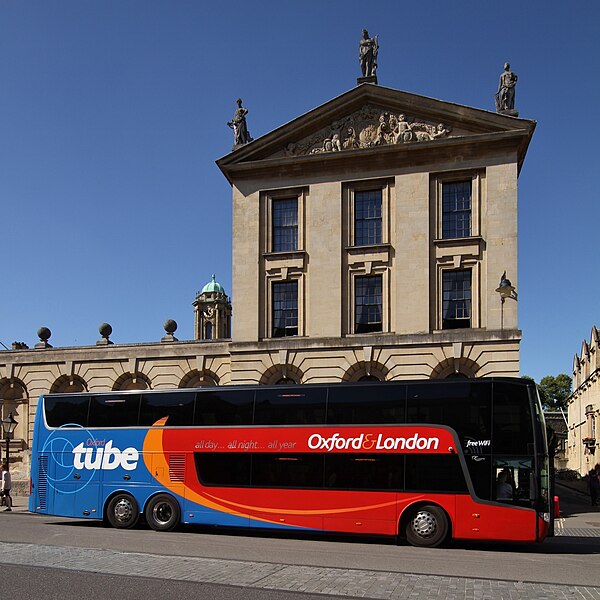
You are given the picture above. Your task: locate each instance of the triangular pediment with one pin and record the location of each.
(369, 127)
(371, 117)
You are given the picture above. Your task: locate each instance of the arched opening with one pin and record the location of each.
(282, 375)
(197, 379)
(66, 384)
(14, 399)
(129, 381)
(455, 367)
(363, 371)
(208, 331)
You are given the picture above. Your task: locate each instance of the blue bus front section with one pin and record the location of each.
(75, 470)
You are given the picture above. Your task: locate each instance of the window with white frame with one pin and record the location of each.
(457, 198)
(284, 308)
(368, 303)
(366, 208)
(368, 217)
(456, 299)
(456, 209)
(284, 224)
(282, 215)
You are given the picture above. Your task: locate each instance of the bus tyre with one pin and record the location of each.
(427, 526)
(122, 511)
(162, 513)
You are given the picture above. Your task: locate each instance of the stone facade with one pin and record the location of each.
(584, 408)
(406, 149)
(344, 263)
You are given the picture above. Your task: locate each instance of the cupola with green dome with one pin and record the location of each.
(212, 311)
(213, 287)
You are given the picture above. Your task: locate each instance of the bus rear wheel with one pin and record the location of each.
(162, 513)
(427, 526)
(122, 511)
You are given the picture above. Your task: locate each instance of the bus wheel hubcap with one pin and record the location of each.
(424, 524)
(123, 510)
(162, 513)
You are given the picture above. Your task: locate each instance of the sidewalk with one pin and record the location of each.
(19, 504)
(338, 582)
(578, 517)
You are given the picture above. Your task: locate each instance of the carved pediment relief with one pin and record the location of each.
(366, 128)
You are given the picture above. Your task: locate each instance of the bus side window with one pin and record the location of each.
(364, 471)
(512, 425)
(223, 469)
(287, 470)
(434, 473)
(114, 410)
(66, 410)
(514, 480)
(177, 406)
(480, 470)
(297, 405)
(465, 407)
(366, 404)
(218, 406)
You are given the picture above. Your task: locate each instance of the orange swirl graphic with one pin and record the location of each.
(156, 463)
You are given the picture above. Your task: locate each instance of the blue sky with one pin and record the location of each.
(112, 113)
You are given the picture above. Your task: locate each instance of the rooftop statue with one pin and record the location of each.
(241, 135)
(505, 97)
(368, 50)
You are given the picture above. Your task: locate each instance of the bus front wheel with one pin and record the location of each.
(162, 513)
(122, 511)
(427, 526)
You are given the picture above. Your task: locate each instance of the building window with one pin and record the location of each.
(367, 217)
(456, 209)
(456, 299)
(285, 225)
(285, 308)
(368, 304)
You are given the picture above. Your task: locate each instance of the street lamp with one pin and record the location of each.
(506, 290)
(8, 426)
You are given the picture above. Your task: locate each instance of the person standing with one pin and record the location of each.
(594, 485)
(6, 486)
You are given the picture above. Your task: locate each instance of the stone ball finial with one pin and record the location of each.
(44, 334)
(170, 326)
(105, 330)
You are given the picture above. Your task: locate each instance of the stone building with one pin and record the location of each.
(373, 238)
(584, 407)
(370, 235)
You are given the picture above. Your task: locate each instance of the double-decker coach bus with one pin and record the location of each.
(423, 460)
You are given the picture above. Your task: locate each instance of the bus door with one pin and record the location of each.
(508, 491)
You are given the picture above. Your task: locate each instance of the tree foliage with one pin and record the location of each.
(554, 391)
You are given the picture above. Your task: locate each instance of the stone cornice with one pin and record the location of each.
(114, 352)
(158, 350)
(455, 150)
(381, 340)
